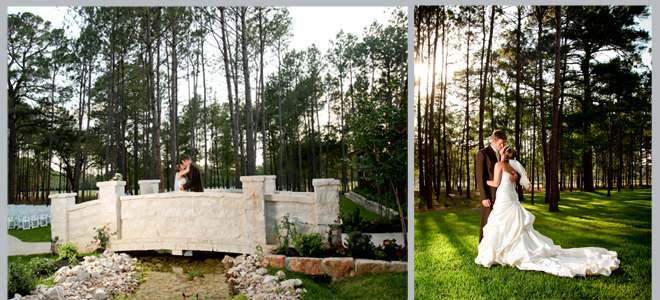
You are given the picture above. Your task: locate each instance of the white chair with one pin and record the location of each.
(34, 221)
(25, 223)
(43, 220)
(11, 222)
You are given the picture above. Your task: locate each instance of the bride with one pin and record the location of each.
(510, 238)
(180, 178)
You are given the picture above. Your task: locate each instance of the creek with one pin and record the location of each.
(200, 276)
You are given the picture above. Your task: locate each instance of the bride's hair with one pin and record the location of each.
(177, 169)
(510, 153)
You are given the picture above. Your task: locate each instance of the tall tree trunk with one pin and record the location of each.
(554, 142)
(482, 92)
(226, 58)
(518, 132)
(467, 109)
(249, 127)
(173, 103)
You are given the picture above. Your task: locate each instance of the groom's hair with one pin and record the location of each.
(186, 157)
(498, 135)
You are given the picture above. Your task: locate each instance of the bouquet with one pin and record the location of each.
(116, 177)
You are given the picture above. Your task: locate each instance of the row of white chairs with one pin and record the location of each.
(28, 216)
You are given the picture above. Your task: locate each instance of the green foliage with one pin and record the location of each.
(102, 237)
(69, 251)
(446, 243)
(359, 244)
(390, 250)
(194, 273)
(285, 231)
(382, 286)
(260, 253)
(36, 235)
(24, 276)
(54, 245)
(308, 244)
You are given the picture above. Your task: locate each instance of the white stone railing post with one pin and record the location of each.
(269, 186)
(109, 193)
(326, 200)
(254, 206)
(149, 186)
(59, 215)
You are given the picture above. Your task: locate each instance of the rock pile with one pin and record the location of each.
(248, 277)
(95, 278)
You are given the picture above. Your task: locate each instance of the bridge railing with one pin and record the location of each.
(179, 221)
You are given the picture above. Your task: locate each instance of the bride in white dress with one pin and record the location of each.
(180, 178)
(510, 238)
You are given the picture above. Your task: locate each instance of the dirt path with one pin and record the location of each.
(17, 247)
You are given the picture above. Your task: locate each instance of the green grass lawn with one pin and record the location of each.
(41, 234)
(382, 286)
(446, 245)
(346, 205)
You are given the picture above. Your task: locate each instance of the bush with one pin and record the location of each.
(308, 244)
(284, 239)
(390, 250)
(42, 266)
(20, 279)
(359, 244)
(102, 237)
(69, 251)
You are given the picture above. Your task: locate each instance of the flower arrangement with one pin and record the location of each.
(116, 177)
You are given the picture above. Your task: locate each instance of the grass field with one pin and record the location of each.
(383, 286)
(346, 205)
(446, 245)
(36, 235)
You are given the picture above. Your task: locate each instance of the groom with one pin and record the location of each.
(486, 160)
(194, 183)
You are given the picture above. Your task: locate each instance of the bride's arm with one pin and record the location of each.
(185, 171)
(498, 176)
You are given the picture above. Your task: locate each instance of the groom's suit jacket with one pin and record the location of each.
(195, 183)
(485, 164)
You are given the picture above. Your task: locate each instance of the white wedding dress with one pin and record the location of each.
(510, 239)
(179, 183)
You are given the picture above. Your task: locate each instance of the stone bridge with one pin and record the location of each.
(234, 221)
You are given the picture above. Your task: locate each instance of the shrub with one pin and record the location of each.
(42, 266)
(359, 244)
(308, 244)
(69, 251)
(20, 279)
(102, 237)
(284, 239)
(390, 250)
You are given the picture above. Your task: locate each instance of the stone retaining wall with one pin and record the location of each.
(371, 206)
(178, 221)
(335, 267)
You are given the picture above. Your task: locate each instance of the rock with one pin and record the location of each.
(276, 261)
(339, 267)
(228, 261)
(280, 275)
(108, 253)
(80, 273)
(100, 294)
(262, 271)
(270, 278)
(305, 265)
(291, 283)
(55, 293)
(399, 266)
(368, 266)
(17, 297)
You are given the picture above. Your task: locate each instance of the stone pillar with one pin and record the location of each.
(269, 187)
(60, 215)
(326, 200)
(109, 193)
(253, 206)
(149, 186)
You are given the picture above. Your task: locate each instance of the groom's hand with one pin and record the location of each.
(485, 202)
(513, 177)
(181, 188)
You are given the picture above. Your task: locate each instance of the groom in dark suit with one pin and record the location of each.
(195, 183)
(485, 163)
